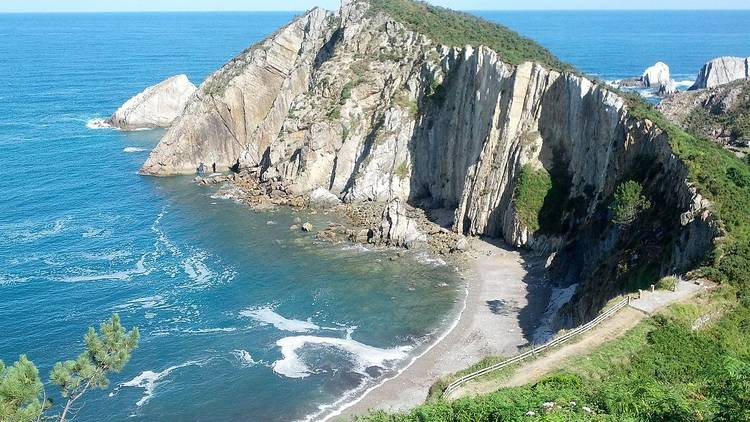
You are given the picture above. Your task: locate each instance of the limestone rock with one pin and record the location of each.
(307, 227)
(670, 88)
(397, 229)
(656, 76)
(721, 71)
(322, 197)
(156, 107)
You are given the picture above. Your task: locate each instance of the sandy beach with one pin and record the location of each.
(506, 297)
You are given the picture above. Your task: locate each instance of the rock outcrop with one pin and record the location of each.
(156, 107)
(397, 229)
(718, 113)
(359, 104)
(721, 71)
(656, 76)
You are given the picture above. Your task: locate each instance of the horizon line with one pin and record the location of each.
(304, 10)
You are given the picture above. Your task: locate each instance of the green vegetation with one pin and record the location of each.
(667, 283)
(404, 100)
(737, 119)
(528, 198)
(661, 370)
(720, 177)
(22, 396)
(456, 29)
(628, 202)
(403, 170)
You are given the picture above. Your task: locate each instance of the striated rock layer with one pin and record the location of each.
(355, 103)
(156, 107)
(722, 70)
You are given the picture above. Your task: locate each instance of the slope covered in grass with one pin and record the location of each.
(457, 29)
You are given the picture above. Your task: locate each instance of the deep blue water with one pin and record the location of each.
(213, 286)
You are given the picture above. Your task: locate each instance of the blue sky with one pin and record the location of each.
(223, 5)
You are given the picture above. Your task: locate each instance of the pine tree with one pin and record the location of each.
(106, 352)
(20, 392)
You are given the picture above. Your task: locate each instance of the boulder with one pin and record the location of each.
(656, 76)
(397, 229)
(307, 227)
(721, 71)
(669, 88)
(322, 197)
(156, 107)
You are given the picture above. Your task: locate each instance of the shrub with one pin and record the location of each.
(528, 197)
(628, 202)
(667, 283)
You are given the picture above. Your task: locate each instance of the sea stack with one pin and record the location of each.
(722, 70)
(156, 107)
(656, 76)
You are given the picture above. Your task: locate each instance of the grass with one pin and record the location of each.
(457, 29)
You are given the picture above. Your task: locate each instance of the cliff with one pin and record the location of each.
(359, 103)
(156, 107)
(722, 70)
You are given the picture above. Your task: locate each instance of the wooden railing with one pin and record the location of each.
(453, 386)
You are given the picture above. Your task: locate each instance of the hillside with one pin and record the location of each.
(457, 29)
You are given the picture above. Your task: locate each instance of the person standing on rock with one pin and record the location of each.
(214, 167)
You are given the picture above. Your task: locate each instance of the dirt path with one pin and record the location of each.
(608, 330)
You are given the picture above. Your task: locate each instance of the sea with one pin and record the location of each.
(241, 318)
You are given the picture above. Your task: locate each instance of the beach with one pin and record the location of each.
(506, 297)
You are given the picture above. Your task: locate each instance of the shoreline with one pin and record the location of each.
(504, 288)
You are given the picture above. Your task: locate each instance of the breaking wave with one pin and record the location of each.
(134, 149)
(362, 355)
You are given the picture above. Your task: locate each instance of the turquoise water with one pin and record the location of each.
(241, 319)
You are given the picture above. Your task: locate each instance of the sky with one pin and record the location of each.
(13, 6)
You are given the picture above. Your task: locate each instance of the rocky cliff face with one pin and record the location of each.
(721, 71)
(356, 103)
(156, 107)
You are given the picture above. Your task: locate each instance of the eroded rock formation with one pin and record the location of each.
(656, 76)
(721, 71)
(156, 107)
(357, 103)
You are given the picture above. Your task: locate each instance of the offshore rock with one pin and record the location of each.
(656, 76)
(721, 71)
(156, 107)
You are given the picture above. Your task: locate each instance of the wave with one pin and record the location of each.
(98, 123)
(266, 315)
(363, 356)
(105, 256)
(684, 84)
(148, 302)
(149, 380)
(134, 149)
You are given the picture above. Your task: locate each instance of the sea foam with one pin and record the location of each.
(149, 380)
(267, 315)
(98, 124)
(363, 356)
(134, 149)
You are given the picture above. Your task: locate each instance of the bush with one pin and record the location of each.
(628, 202)
(667, 283)
(531, 190)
